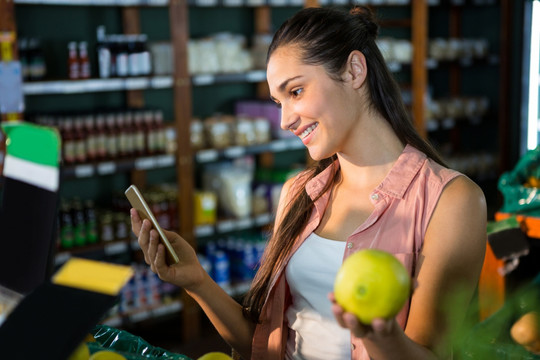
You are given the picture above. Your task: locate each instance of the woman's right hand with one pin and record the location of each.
(187, 273)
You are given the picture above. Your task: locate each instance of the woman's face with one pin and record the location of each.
(322, 112)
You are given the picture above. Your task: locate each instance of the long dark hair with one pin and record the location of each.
(326, 37)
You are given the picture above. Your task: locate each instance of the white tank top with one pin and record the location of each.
(313, 331)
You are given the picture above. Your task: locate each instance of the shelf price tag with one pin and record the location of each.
(207, 155)
(263, 219)
(234, 151)
(233, 2)
(144, 163)
(115, 248)
(106, 168)
(84, 171)
(204, 230)
(162, 82)
(256, 76)
(165, 160)
(137, 83)
(254, 2)
(203, 79)
(244, 224)
(140, 316)
(278, 145)
(226, 225)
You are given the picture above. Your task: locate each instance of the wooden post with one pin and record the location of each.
(419, 70)
(179, 24)
(131, 25)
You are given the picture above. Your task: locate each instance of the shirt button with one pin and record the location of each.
(375, 197)
(349, 245)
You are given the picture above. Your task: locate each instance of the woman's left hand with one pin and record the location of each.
(378, 329)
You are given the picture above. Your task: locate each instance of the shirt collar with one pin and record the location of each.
(401, 175)
(394, 184)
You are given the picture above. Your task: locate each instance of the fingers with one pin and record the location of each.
(160, 264)
(136, 221)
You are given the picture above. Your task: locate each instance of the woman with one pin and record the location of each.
(377, 184)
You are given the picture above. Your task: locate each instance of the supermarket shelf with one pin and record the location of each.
(122, 165)
(111, 248)
(133, 83)
(233, 3)
(210, 79)
(209, 155)
(225, 226)
(95, 2)
(450, 123)
(490, 60)
(96, 85)
(144, 314)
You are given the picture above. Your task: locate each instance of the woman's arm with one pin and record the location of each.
(447, 274)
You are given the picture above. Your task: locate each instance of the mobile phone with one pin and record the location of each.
(137, 201)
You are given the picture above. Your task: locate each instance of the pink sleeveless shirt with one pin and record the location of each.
(404, 203)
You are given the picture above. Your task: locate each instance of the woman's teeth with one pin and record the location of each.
(308, 130)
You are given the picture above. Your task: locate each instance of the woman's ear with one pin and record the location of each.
(356, 70)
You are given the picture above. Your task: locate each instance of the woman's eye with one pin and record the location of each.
(297, 92)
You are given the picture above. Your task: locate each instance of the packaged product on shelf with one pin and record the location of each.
(73, 61)
(205, 209)
(162, 58)
(261, 127)
(90, 220)
(101, 138)
(36, 60)
(218, 130)
(106, 227)
(80, 140)
(232, 184)
(259, 49)
(84, 61)
(112, 136)
(79, 224)
(139, 133)
(196, 135)
(66, 226)
(244, 132)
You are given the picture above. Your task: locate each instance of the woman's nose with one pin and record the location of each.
(288, 119)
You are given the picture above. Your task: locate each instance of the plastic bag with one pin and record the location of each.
(491, 339)
(128, 345)
(521, 186)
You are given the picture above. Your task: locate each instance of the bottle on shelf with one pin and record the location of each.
(36, 60)
(80, 140)
(139, 130)
(91, 138)
(66, 225)
(90, 219)
(84, 61)
(103, 53)
(68, 141)
(73, 61)
(121, 58)
(101, 138)
(79, 224)
(112, 136)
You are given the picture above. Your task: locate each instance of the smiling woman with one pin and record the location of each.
(377, 184)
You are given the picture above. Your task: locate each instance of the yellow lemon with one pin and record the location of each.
(80, 353)
(216, 355)
(372, 284)
(106, 355)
